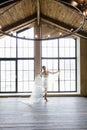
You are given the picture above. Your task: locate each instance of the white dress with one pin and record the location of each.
(45, 82)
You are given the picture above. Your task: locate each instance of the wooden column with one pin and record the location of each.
(37, 50)
(83, 53)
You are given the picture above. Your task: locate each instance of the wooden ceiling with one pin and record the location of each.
(53, 15)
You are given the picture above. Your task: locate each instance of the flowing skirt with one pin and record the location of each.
(37, 92)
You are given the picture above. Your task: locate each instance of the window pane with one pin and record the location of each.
(20, 75)
(61, 41)
(73, 64)
(13, 76)
(61, 64)
(67, 86)
(67, 54)
(3, 75)
(72, 75)
(50, 48)
(1, 52)
(73, 88)
(67, 75)
(25, 74)
(13, 52)
(7, 76)
(67, 64)
(67, 47)
(26, 86)
(13, 86)
(72, 52)
(61, 52)
(31, 52)
(26, 48)
(62, 86)
(3, 86)
(62, 75)
(6, 44)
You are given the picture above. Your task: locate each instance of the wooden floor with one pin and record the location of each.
(59, 113)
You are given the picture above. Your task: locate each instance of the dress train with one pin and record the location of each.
(37, 93)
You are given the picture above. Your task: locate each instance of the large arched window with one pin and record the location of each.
(61, 55)
(17, 63)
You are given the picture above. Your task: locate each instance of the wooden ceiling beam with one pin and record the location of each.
(62, 25)
(21, 23)
(7, 3)
(38, 12)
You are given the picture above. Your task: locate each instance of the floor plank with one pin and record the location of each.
(59, 113)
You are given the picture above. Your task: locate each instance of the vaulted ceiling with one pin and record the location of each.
(53, 16)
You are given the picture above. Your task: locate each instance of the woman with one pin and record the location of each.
(41, 81)
(44, 74)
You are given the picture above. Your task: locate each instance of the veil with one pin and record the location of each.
(37, 92)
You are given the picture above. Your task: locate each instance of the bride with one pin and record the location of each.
(40, 87)
(45, 76)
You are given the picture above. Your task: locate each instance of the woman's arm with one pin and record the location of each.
(57, 72)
